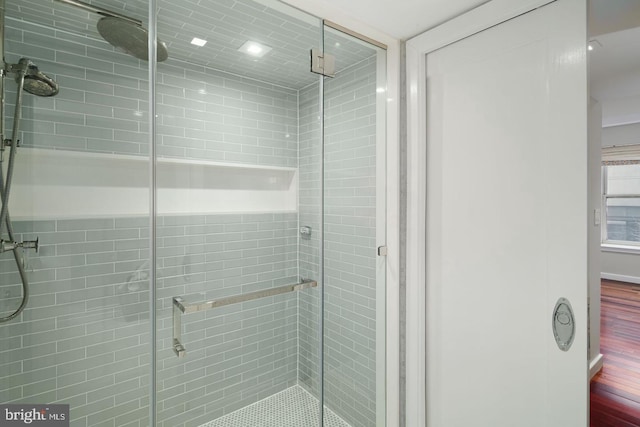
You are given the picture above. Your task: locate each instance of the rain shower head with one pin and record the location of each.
(38, 83)
(123, 32)
(129, 37)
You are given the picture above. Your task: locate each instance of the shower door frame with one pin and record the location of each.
(153, 209)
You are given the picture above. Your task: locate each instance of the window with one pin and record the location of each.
(621, 202)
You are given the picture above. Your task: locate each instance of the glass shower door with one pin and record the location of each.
(229, 197)
(354, 315)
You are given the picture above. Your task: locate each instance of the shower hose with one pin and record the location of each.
(5, 190)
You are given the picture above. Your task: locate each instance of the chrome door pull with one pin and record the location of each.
(564, 324)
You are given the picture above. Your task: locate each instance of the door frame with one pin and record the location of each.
(479, 19)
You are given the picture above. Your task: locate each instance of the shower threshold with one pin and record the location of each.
(293, 407)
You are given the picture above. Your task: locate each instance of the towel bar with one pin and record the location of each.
(180, 306)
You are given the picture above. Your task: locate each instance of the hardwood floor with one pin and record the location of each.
(615, 391)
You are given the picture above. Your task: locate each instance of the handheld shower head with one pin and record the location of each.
(39, 84)
(35, 81)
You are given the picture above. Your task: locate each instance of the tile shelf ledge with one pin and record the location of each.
(62, 183)
(92, 155)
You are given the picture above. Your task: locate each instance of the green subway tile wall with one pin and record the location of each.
(84, 339)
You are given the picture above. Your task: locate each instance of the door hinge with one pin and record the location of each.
(382, 251)
(323, 63)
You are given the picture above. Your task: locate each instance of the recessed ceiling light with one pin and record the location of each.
(254, 49)
(198, 42)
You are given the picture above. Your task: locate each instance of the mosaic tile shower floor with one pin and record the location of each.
(293, 407)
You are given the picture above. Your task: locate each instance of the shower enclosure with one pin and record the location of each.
(210, 223)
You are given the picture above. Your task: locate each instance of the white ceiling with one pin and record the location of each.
(403, 19)
(608, 16)
(614, 64)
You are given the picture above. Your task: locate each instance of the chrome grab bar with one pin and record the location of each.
(180, 306)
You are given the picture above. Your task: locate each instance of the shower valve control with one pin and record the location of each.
(305, 232)
(8, 142)
(31, 244)
(8, 245)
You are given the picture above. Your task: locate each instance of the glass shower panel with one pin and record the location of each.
(354, 228)
(81, 191)
(230, 280)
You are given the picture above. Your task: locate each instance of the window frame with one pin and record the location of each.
(606, 243)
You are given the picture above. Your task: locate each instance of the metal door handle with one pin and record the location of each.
(564, 324)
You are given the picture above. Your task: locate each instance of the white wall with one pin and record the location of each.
(621, 266)
(594, 155)
(621, 135)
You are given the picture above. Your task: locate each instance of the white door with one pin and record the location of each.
(506, 223)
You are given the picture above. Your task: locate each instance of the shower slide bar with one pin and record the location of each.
(180, 306)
